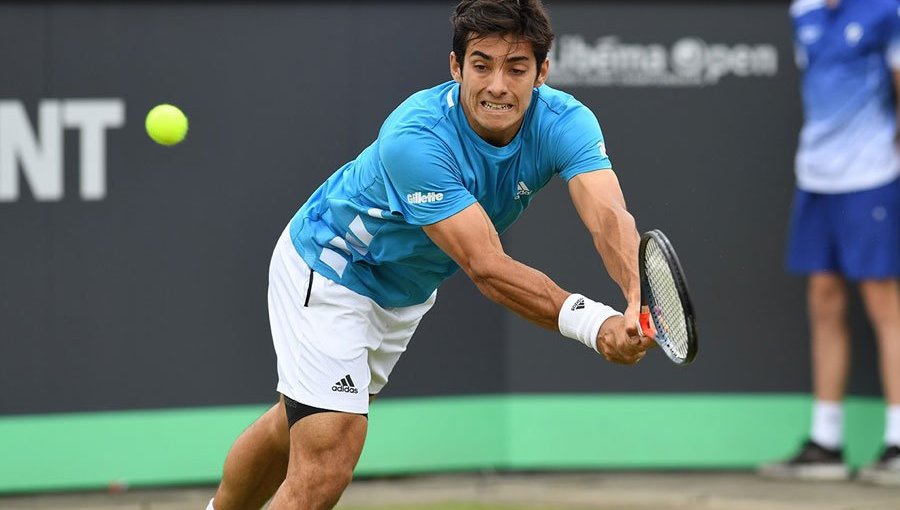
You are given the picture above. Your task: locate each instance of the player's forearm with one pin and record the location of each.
(617, 243)
(520, 288)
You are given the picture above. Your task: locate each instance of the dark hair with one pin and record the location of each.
(520, 18)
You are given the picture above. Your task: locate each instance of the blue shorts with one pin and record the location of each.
(854, 234)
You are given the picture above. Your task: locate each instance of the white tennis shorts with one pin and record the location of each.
(334, 347)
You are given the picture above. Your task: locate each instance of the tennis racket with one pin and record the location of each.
(666, 311)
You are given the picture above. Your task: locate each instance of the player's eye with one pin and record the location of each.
(480, 67)
(518, 72)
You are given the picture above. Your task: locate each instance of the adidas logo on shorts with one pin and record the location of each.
(579, 304)
(345, 385)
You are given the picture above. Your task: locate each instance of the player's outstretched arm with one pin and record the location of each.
(600, 203)
(470, 239)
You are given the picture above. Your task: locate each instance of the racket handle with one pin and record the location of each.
(647, 325)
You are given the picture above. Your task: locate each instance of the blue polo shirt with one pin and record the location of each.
(847, 55)
(363, 227)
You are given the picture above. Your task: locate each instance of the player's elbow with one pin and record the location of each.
(613, 216)
(484, 270)
(612, 210)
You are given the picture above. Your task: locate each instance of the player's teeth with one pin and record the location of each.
(494, 106)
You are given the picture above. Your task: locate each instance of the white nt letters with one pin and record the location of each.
(39, 151)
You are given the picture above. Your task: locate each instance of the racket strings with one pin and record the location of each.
(665, 301)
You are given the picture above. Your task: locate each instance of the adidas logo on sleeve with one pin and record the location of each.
(345, 385)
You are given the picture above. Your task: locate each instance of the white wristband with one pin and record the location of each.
(580, 319)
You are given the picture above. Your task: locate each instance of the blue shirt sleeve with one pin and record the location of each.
(425, 178)
(579, 143)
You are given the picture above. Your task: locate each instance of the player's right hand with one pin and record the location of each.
(617, 346)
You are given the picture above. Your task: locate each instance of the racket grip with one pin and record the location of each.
(646, 325)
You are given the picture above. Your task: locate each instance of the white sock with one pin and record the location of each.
(892, 426)
(828, 424)
(209, 506)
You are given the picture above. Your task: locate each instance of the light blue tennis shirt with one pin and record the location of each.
(847, 54)
(363, 227)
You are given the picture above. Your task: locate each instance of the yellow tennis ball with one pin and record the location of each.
(166, 124)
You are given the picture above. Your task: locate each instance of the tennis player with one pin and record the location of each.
(359, 264)
(846, 217)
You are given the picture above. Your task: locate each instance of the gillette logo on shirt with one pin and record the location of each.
(424, 198)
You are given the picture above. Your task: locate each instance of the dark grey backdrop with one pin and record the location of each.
(155, 296)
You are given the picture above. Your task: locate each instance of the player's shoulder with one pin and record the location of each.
(424, 108)
(416, 119)
(417, 122)
(800, 8)
(556, 101)
(555, 106)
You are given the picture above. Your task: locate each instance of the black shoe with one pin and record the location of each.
(884, 471)
(813, 462)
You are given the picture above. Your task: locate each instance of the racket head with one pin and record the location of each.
(664, 291)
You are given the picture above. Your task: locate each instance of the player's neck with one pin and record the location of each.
(495, 138)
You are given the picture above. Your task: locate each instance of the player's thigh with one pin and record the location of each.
(325, 448)
(274, 422)
(329, 442)
(322, 333)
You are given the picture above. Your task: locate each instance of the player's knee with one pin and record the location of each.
(295, 492)
(881, 300)
(827, 298)
(339, 478)
(317, 486)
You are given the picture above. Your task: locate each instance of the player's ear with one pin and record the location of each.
(455, 68)
(543, 71)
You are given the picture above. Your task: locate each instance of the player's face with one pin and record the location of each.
(495, 84)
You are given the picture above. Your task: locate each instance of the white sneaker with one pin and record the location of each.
(813, 463)
(884, 471)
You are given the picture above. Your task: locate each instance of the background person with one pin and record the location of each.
(845, 225)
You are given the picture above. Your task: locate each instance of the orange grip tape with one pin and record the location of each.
(647, 325)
